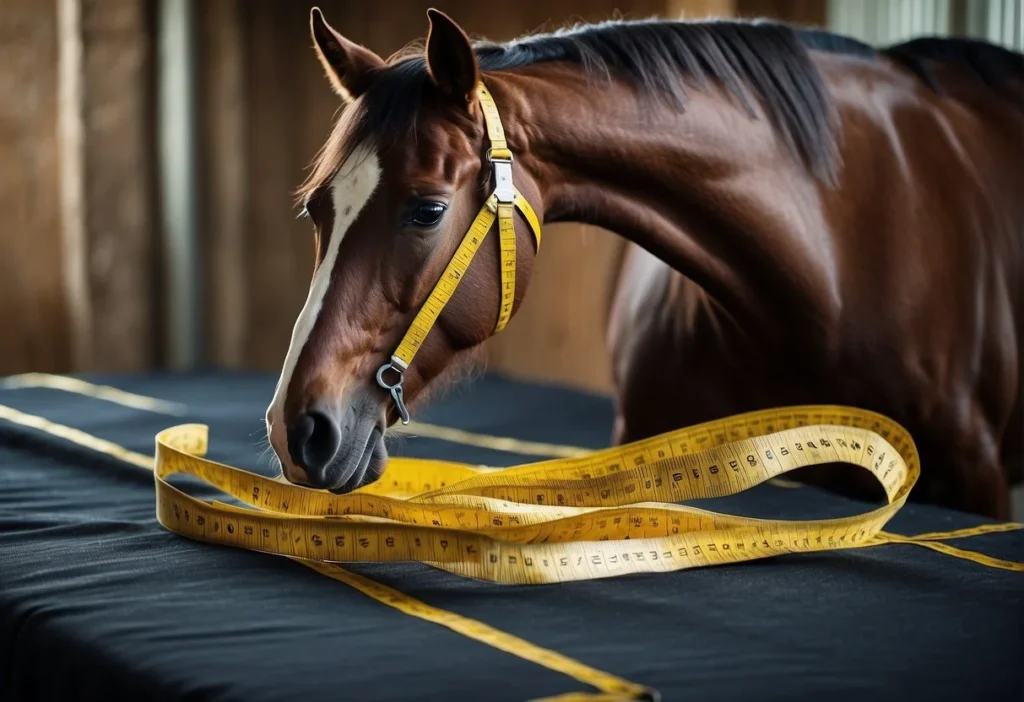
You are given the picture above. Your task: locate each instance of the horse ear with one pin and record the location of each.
(451, 62)
(349, 66)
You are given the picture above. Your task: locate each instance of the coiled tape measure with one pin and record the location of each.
(608, 513)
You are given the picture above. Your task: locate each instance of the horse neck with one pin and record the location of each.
(710, 191)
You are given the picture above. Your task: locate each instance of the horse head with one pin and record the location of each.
(411, 169)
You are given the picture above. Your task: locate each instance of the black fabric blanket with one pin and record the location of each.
(98, 601)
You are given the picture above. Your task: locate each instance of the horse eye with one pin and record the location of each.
(427, 215)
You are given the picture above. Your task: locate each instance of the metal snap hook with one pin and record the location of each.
(395, 389)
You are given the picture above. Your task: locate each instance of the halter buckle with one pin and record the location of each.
(503, 187)
(395, 388)
(504, 155)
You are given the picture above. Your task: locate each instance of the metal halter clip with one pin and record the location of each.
(503, 188)
(396, 389)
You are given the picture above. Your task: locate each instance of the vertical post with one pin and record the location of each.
(224, 195)
(176, 110)
(71, 127)
(33, 299)
(105, 196)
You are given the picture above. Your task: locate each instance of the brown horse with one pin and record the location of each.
(815, 221)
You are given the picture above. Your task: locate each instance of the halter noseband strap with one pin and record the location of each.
(501, 204)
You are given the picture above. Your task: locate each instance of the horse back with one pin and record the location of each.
(925, 224)
(929, 218)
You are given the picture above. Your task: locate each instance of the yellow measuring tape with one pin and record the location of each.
(604, 514)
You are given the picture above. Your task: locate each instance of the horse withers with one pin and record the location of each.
(812, 220)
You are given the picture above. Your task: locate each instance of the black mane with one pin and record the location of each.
(757, 61)
(996, 67)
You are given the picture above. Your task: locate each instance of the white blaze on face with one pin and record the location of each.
(350, 190)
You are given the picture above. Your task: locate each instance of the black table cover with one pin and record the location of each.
(98, 601)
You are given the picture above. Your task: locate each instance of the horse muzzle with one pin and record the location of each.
(337, 448)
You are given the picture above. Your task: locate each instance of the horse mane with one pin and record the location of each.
(761, 61)
(754, 61)
(1002, 70)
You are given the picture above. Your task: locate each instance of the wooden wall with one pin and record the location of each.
(33, 306)
(79, 253)
(77, 285)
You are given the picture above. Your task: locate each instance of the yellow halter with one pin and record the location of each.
(501, 205)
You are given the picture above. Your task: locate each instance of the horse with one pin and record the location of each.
(812, 221)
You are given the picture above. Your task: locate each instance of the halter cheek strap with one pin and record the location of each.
(501, 205)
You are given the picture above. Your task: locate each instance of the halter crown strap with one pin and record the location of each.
(501, 204)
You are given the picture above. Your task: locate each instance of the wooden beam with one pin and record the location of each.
(106, 199)
(72, 180)
(33, 304)
(223, 159)
(178, 172)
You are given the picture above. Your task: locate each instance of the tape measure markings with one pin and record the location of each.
(555, 552)
(141, 460)
(391, 542)
(239, 484)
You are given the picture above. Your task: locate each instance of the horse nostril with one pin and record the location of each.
(313, 441)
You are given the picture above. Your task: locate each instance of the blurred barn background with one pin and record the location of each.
(149, 150)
